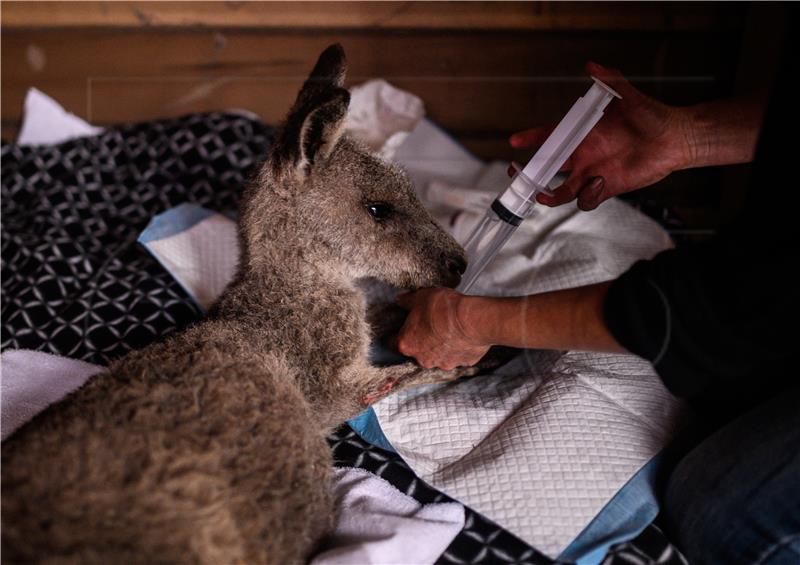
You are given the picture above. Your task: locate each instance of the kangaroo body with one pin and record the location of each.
(209, 447)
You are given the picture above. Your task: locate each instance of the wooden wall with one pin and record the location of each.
(483, 69)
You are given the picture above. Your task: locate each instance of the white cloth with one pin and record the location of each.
(379, 524)
(32, 380)
(382, 116)
(46, 122)
(195, 245)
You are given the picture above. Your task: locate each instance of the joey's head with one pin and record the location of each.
(327, 200)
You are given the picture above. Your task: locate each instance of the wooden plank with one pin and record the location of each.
(485, 82)
(548, 15)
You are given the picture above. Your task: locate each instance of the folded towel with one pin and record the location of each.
(379, 524)
(32, 380)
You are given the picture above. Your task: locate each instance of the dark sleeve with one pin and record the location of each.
(707, 315)
(719, 313)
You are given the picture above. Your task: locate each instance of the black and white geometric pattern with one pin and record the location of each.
(650, 548)
(74, 279)
(76, 283)
(480, 542)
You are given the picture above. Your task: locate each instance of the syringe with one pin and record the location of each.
(515, 204)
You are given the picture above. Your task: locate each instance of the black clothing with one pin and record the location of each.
(717, 319)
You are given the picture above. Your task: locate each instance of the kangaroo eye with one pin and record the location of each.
(379, 210)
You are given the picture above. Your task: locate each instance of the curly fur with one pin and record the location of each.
(209, 446)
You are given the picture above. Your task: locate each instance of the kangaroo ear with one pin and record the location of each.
(321, 129)
(327, 74)
(317, 117)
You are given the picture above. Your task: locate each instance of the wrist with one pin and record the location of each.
(472, 320)
(723, 132)
(687, 142)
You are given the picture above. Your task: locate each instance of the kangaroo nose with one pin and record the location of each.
(456, 265)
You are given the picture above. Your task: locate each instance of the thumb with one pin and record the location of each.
(614, 79)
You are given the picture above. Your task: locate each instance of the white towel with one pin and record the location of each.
(32, 380)
(46, 122)
(379, 524)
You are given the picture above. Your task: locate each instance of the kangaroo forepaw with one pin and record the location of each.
(414, 376)
(458, 373)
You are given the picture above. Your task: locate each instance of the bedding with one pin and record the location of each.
(70, 266)
(74, 280)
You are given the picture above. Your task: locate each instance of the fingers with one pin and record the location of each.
(590, 190)
(530, 138)
(513, 168)
(567, 192)
(591, 195)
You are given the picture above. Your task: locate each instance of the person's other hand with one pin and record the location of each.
(433, 334)
(639, 141)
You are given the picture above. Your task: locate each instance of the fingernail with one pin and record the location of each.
(591, 195)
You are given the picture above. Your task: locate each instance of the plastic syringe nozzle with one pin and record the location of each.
(488, 238)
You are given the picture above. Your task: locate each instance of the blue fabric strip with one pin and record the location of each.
(625, 516)
(170, 223)
(366, 425)
(174, 221)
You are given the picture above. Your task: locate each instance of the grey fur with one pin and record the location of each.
(209, 446)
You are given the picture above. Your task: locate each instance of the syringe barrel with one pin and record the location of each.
(568, 134)
(518, 200)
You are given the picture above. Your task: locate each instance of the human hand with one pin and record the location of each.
(638, 142)
(433, 333)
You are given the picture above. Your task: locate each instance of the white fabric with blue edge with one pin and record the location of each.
(558, 449)
(194, 245)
